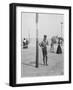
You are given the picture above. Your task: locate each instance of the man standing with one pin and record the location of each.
(43, 45)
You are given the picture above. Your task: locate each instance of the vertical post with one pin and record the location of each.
(29, 37)
(36, 40)
(61, 28)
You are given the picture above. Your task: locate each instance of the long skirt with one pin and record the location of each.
(59, 50)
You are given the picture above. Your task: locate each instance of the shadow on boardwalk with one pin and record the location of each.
(33, 64)
(55, 65)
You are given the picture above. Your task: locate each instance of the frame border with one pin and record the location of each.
(12, 43)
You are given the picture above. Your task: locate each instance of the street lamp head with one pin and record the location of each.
(61, 22)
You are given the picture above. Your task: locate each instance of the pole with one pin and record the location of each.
(36, 40)
(29, 37)
(61, 28)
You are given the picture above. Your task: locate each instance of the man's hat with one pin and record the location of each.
(45, 36)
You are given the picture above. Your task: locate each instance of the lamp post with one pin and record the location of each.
(29, 37)
(36, 40)
(61, 28)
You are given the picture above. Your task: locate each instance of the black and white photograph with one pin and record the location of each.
(40, 44)
(42, 52)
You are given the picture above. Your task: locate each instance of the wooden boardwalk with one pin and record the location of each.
(28, 69)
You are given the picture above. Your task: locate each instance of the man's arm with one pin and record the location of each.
(41, 44)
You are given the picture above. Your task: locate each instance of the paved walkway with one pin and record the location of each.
(28, 69)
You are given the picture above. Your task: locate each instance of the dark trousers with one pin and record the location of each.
(44, 52)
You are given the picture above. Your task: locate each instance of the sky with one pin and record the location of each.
(48, 24)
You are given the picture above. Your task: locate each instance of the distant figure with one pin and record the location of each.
(43, 45)
(53, 42)
(25, 43)
(52, 47)
(59, 49)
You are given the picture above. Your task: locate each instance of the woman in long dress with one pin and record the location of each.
(59, 49)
